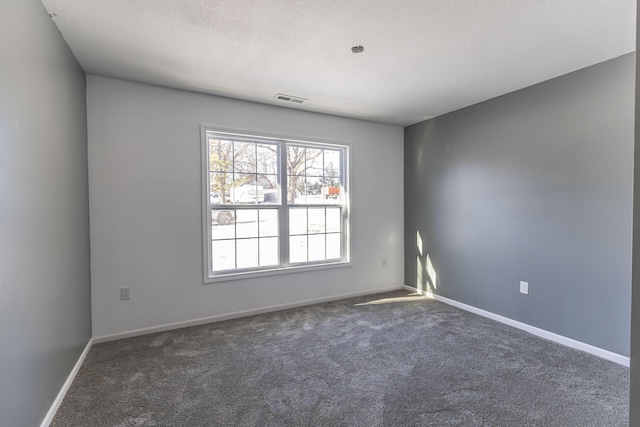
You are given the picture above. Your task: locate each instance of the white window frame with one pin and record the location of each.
(211, 276)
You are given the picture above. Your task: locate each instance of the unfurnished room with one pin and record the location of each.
(322, 213)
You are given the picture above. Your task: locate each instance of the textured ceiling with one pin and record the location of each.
(422, 58)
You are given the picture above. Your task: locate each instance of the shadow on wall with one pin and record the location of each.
(427, 277)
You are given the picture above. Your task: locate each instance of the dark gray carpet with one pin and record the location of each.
(390, 359)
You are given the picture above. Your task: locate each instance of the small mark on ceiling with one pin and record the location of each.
(357, 49)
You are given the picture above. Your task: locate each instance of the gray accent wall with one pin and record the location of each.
(534, 186)
(634, 395)
(45, 318)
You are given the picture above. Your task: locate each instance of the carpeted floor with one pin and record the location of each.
(392, 359)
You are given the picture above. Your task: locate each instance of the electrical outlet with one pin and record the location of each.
(384, 262)
(125, 293)
(524, 288)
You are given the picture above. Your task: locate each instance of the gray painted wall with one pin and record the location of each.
(536, 186)
(634, 398)
(44, 216)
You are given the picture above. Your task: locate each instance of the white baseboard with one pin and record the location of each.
(235, 315)
(65, 387)
(605, 354)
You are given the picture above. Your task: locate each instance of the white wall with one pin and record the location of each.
(145, 206)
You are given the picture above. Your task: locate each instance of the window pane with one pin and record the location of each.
(333, 188)
(246, 190)
(314, 162)
(295, 189)
(269, 251)
(247, 253)
(222, 227)
(295, 160)
(314, 191)
(269, 184)
(215, 198)
(297, 249)
(220, 155)
(333, 220)
(240, 179)
(333, 196)
(219, 186)
(295, 174)
(272, 197)
(247, 223)
(316, 247)
(245, 157)
(316, 220)
(223, 216)
(267, 159)
(297, 221)
(268, 222)
(332, 165)
(223, 255)
(334, 246)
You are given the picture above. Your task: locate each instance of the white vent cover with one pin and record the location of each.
(289, 98)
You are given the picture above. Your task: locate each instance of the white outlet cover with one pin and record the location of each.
(524, 288)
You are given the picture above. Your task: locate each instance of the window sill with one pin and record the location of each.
(275, 271)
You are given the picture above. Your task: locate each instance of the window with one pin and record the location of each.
(272, 204)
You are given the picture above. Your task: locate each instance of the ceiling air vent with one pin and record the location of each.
(289, 98)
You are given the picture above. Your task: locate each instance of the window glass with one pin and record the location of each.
(247, 253)
(222, 226)
(268, 222)
(316, 247)
(334, 245)
(297, 221)
(269, 251)
(244, 158)
(246, 223)
(220, 155)
(316, 218)
(259, 187)
(313, 162)
(298, 249)
(223, 254)
(267, 159)
(333, 220)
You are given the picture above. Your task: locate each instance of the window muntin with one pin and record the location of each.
(248, 227)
